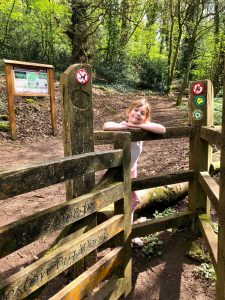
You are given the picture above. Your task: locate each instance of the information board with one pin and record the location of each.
(30, 80)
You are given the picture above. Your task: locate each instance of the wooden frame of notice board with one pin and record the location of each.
(29, 79)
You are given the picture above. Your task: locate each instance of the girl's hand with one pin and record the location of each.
(132, 125)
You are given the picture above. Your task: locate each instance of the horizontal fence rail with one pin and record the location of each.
(212, 135)
(164, 223)
(210, 187)
(20, 233)
(107, 137)
(82, 285)
(48, 267)
(164, 179)
(28, 178)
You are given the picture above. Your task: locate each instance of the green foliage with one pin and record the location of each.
(218, 102)
(138, 43)
(35, 31)
(29, 100)
(151, 73)
(206, 271)
(4, 126)
(152, 246)
(198, 253)
(167, 212)
(183, 106)
(4, 117)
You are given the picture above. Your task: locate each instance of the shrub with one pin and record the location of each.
(151, 73)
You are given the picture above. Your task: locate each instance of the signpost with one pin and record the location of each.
(200, 114)
(29, 79)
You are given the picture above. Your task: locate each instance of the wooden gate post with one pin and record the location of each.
(123, 140)
(220, 284)
(200, 114)
(77, 114)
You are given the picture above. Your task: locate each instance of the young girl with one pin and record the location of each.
(138, 116)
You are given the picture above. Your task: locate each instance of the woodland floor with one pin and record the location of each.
(168, 277)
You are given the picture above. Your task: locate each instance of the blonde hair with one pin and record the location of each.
(141, 102)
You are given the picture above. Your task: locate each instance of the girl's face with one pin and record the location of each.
(137, 115)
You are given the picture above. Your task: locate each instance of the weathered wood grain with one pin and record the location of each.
(200, 154)
(152, 226)
(220, 285)
(210, 187)
(22, 232)
(10, 93)
(122, 140)
(112, 289)
(28, 178)
(103, 137)
(160, 180)
(212, 135)
(83, 284)
(209, 236)
(37, 274)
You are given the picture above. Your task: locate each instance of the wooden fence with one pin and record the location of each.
(72, 248)
(203, 191)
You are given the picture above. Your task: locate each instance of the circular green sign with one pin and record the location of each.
(197, 114)
(199, 100)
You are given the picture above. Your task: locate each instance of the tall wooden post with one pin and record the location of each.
(10, 96)
(77, 110)
(123, 140)
(200, 114)
(77, 122)
(220, 285)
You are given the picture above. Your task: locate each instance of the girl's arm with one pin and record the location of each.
(115, 126)
(149, 126)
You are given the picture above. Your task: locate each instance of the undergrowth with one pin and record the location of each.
(153, 246)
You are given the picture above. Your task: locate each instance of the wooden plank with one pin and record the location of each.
(31, 95)
(210, 237)
(111, 290)
(160, 180)
(23, 283)
(84, 284)
(122, 140)
(24, 179)
(152, 226)
(212, 135)
(52, 100)
(210, 187)
(102, 137)
(200, 154)
(77, 116)
(20, 233)
(220, 285)
(24, 63)
(10, 94)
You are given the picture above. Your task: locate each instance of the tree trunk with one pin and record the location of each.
(152, 199)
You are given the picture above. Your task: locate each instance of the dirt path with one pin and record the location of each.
(170, 276)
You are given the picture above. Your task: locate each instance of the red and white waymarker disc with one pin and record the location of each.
(82, 76)
(197, 88)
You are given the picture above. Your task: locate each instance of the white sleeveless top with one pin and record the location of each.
(136, 149)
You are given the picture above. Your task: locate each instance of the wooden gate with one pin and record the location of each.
(203, 190)
(22, 232)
